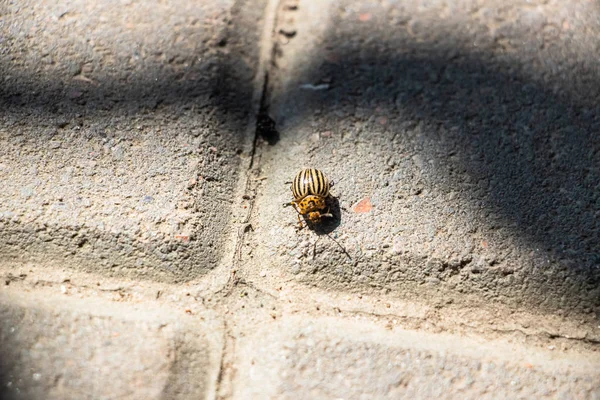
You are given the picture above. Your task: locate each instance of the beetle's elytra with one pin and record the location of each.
(310, 188)
(310, 182)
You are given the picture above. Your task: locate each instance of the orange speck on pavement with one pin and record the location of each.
(363, 206)
(183, 238)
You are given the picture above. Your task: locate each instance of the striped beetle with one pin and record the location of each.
(310, 189)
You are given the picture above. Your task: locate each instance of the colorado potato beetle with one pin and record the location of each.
(310, 189)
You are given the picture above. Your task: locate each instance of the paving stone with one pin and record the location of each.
(461, 139)
(328, 359)
(122, 127)
(65, 348)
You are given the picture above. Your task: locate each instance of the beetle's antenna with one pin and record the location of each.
(340, 246)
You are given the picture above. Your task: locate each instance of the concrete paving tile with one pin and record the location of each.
(460, 136)
(122, 129)
(298, 358)
(58, 347)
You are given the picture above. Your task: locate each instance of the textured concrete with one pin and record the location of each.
(55, 347)
(122, 126)
(469, 127)
(325, 359)
(145, 148)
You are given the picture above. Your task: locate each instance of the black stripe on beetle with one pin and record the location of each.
(318, 183)
(310, 181)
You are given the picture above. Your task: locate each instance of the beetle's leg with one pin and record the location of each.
(331, 183)
(296, 208)
(300, 225)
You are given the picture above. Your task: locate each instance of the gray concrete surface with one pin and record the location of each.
(123, 125)
(145, 252)
(354, 360)
(471, 127)
(53, 348)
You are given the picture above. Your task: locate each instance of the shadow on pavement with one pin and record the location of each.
(224, 92)
(328, 224)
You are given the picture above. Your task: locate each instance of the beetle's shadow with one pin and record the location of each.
(327, 224)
